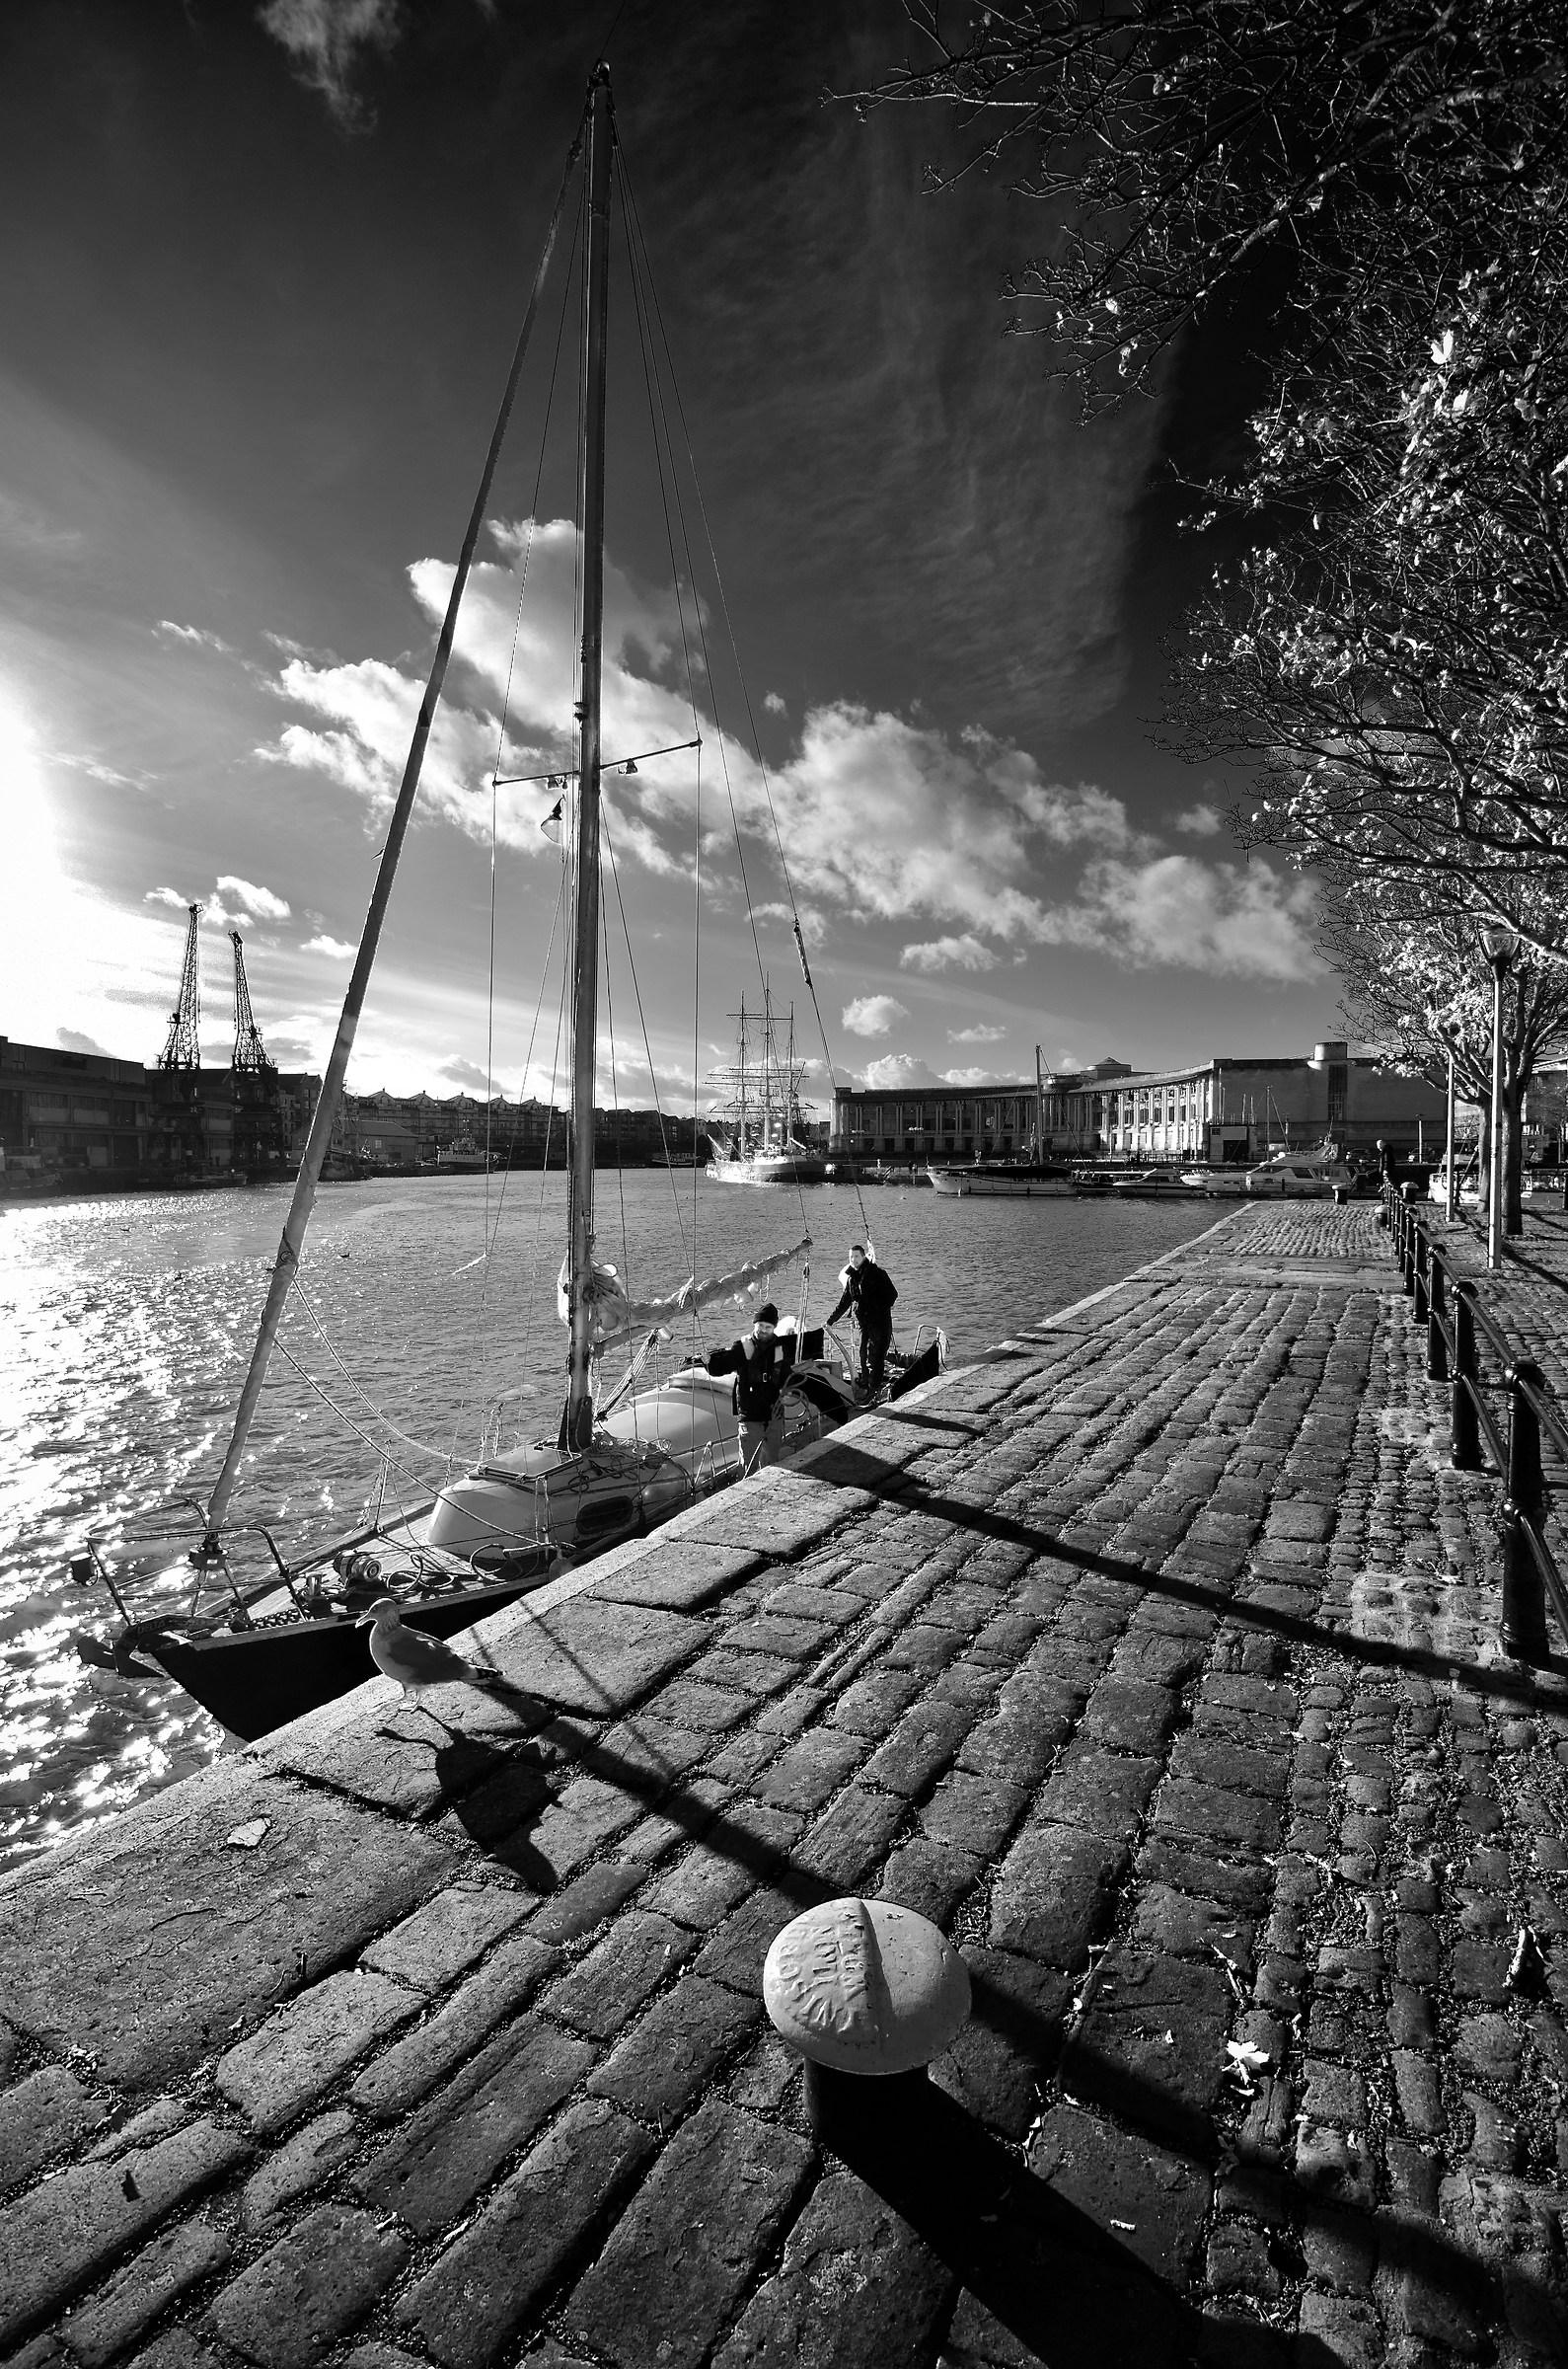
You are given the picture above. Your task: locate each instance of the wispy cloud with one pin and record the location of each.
(326, 41)
(963, 953)
(260, 903)
(1228, 920)
(813, 923)
(194, 634)
(469, 1074)
(168, 896)
(873, 1015)
(1199, 822)
(75, 1040)
(96, 771)
(338, 950)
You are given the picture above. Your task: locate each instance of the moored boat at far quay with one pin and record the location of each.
(1002, 1180)
(757, 1134)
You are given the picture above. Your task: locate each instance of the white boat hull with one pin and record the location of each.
(541, 1504)
(770, 1168)
(969, 1184)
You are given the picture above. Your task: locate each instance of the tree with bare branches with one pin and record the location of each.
(1171, 147)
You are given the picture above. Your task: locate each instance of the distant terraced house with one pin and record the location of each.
(1228, 1108)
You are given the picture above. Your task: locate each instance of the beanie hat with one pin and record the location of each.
(767, 1313)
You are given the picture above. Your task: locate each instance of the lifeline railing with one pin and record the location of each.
(1456, 1321)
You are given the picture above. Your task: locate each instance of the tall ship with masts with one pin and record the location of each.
(758, 1127)
(267, 1635)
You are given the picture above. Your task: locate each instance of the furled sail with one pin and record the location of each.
(614, 1313)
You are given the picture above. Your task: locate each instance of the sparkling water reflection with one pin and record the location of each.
(126, 1325)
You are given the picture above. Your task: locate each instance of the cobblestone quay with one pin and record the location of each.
(1153, 1658)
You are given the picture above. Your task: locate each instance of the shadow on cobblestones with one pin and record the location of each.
(1036, 2262)
(1507, 1683)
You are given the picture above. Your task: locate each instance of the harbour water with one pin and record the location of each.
(126, 1325)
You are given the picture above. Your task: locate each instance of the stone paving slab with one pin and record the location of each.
(1154, 1657)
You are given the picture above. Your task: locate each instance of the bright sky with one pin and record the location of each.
(262, 273)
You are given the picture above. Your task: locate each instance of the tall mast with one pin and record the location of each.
(576, 1422)
(1039, 1107)
(741, 1146)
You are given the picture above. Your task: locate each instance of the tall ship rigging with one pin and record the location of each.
(758, 1129)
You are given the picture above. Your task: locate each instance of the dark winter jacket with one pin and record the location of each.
(870, 1291)
(761, 1368)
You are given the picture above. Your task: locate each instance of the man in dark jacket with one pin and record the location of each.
(760, 1361)
(869, 1290)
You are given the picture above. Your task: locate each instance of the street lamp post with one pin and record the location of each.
(1499, 947)
(1448, 1028)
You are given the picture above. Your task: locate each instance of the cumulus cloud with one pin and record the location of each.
(166, 896)
(1229, 920)
(1200, 822)
(981, 1034)
(774, 706)
(964, 952)
(192, 635)
(326, 38)
(260, 903)
(873, 1015)
(338, 950)
(897, 1073)
(75, 1042)
(969, 1077)
(884, 818)
(1067, 1062)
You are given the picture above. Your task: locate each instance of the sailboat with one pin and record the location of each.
(621, 1461)
(756, 1131)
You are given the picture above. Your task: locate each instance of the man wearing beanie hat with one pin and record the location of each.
(760, 1361)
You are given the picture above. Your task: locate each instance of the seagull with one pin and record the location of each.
(415, 1660)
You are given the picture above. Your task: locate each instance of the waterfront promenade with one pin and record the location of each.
(1153, 1656)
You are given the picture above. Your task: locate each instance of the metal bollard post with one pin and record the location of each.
(1465, 1433)
(1524, 1596)
(1436, 1309)
(1407, 1248)
(868, 1994)
(1422, 1255)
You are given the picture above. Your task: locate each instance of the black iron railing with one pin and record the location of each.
(1457, 1322)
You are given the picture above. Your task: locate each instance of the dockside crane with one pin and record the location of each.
(249, 1052)
(183, 1048)
(257, 1116)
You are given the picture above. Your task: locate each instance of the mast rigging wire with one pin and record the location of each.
(328, 1099)
(657, 316)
